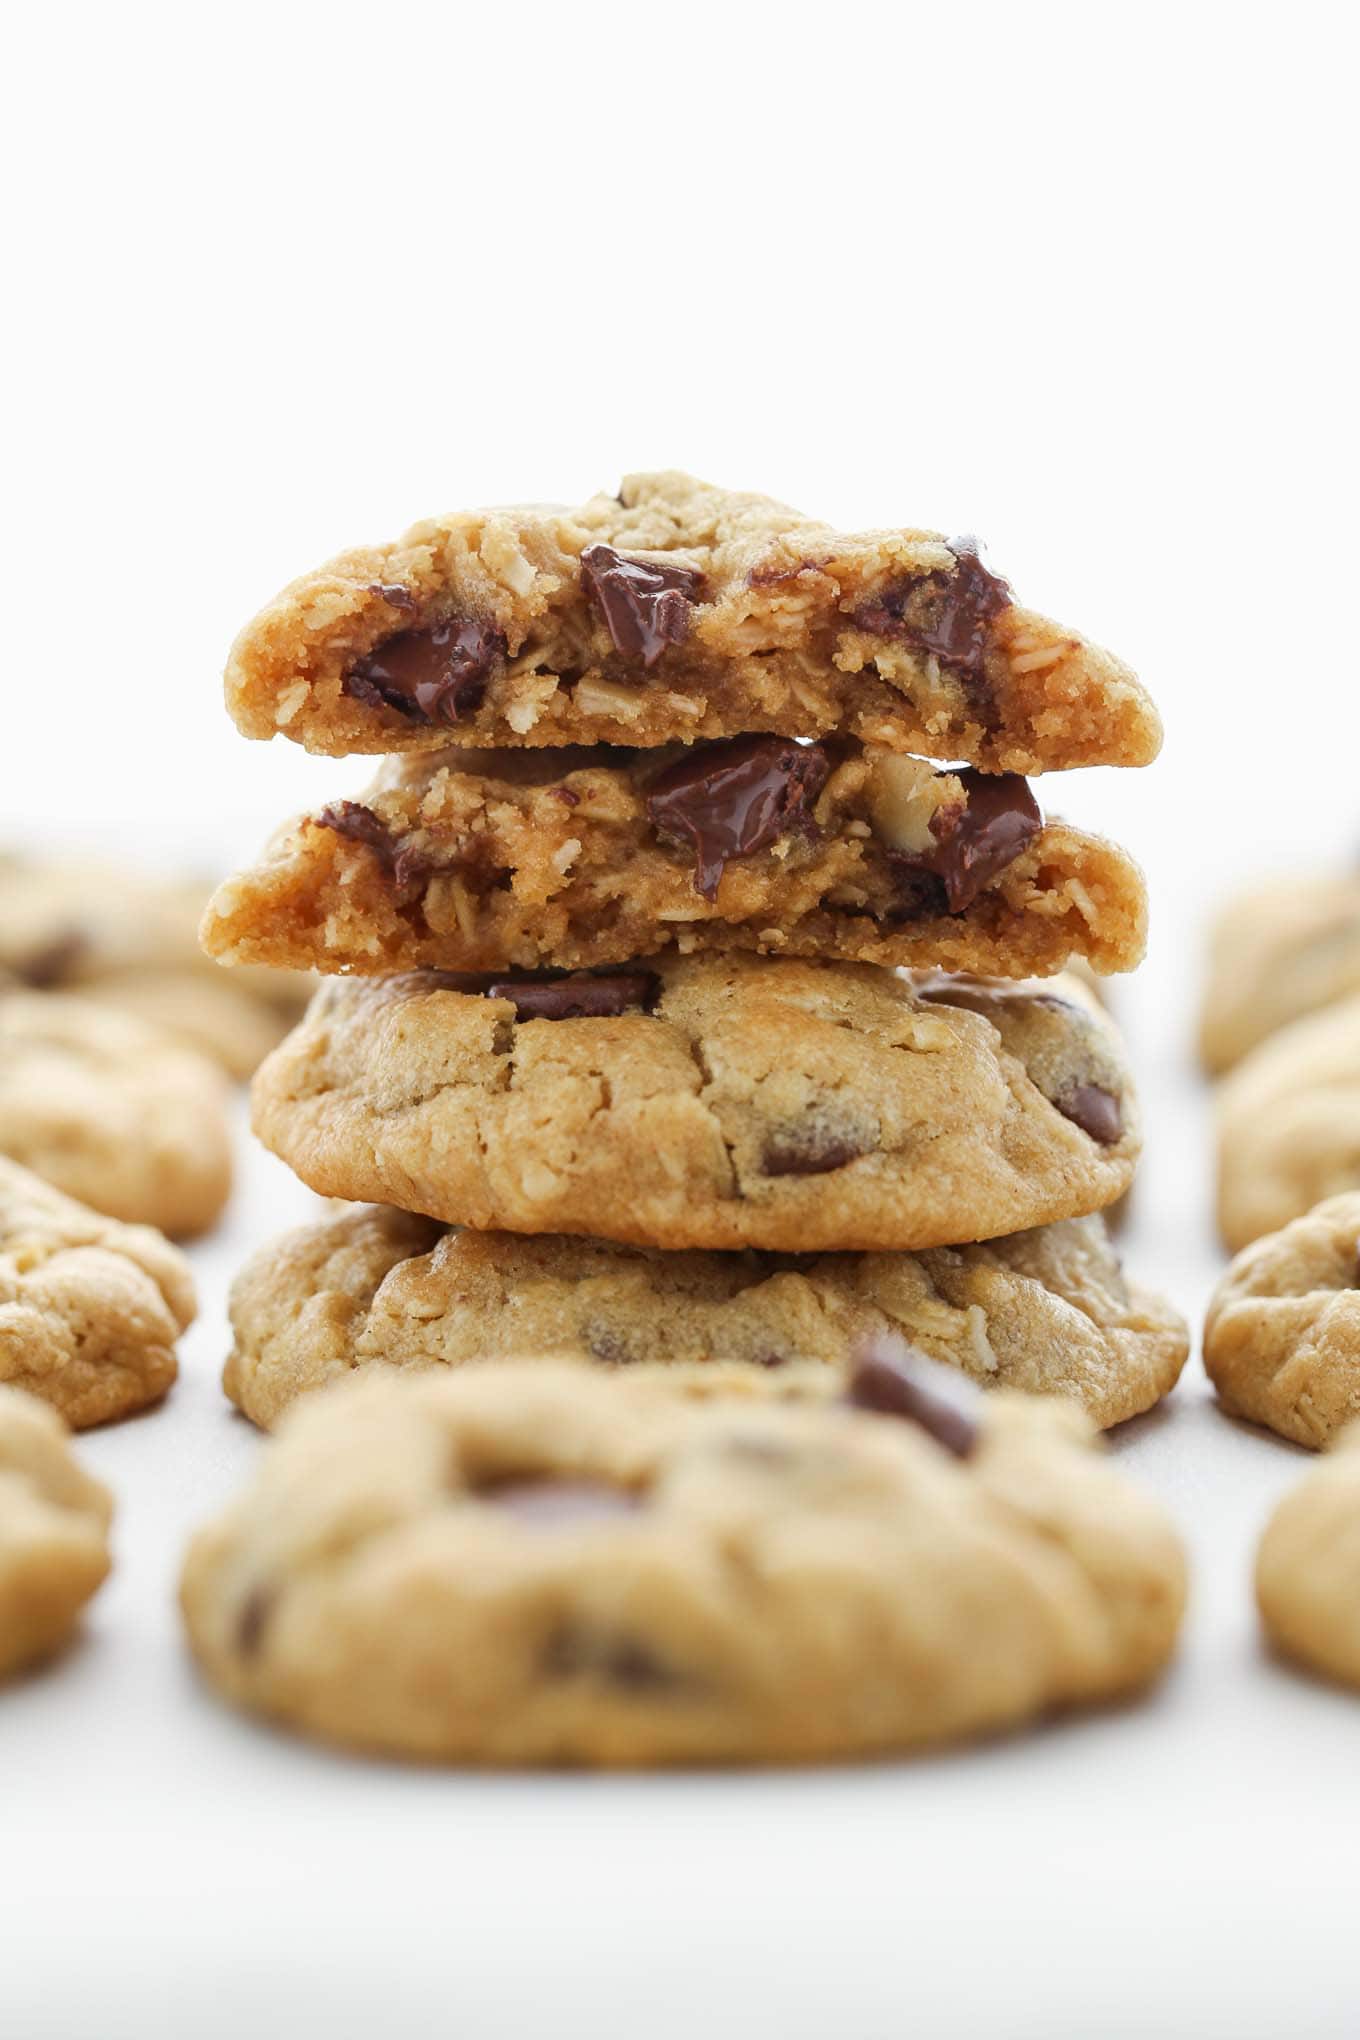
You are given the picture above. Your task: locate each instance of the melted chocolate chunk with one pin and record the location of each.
(429, 676)
(1095, 1110)
(551, 1504)
(948, 615)
(250, 1623)
(352, 819)
(578, 998)
(808, 1151)
(732, 799)
(644, 604)
(976, 841)
(897, 1380)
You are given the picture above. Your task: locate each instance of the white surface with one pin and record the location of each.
(1079, 279)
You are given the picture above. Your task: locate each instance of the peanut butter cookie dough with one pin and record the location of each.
(672, 612)
(1288, 1124)
(509, 860)
(113, 1111)
(89, 1309)
(709, 1102)
(1282, 1337)
(535, 1565)
(1049, 1311)
(54, 1523)
(1278, 953)
(1308, 1567)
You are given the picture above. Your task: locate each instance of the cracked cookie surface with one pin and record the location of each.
(1288, 1124)
(89, 1309)
(511, 860)
(113, 1111)
(537, 1565)
(1308, 1566)
(710, 1102)
(1276, 954)
(1282, 1335)
(1048, 1312)
(54, 1522)
(671, 612)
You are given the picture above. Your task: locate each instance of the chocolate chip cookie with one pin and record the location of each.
(709, 1102)
(674, 612)
(1288, 1124)
(526, 1565)
(54, 1523)
(89, 1309)
(1308, 1567)
(113, 1111)
(1047, 1311)
(1282, 1337)
(1279, 952)
(488, 861)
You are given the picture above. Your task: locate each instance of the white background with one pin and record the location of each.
(1079, 279)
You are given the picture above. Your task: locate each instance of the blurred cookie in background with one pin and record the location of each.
(1288, 1124)
(1277, 953)
(54, 1532)
(1308, 1567)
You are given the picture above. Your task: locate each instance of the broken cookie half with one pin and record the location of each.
(672, 612)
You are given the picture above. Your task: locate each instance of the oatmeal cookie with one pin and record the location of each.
(483, 861)
(54, 1525)
(532, 1564)
(1277, 953)
(722, 1101)
(672, 612)
(1288, 1124)
(1308, 1566)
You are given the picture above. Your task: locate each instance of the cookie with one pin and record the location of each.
(673, 612)
(1282, 1336)
(532, 1564)
(54, 1523)
(1277, 953)
(113, 1111)
(1288, 1124)
(89, 1309)
(721, 1101)
(1308, 1567)
(1048, 1311)
(484, 861)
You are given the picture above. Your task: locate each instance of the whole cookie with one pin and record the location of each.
(1047, 1311)
(1278, 952)
(1288, 1124)
(1282, 1337)
(89, 1309)
(539, 1565)
(709, 1102)
(54, 1522)
(1308, 1566)
(113, 1111)
(674, 612)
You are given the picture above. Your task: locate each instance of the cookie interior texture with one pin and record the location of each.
(676, 612)
(508, 860)
(54, 1522)
(743, 1102)
(1049, 1311)
(539, 1565)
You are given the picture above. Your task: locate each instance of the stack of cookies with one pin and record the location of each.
(692, 959)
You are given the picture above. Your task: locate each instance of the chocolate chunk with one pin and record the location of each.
(578, 998)
(550, 1504)
(732, 799)
(645, 605)
(808, 1151)
(619, 1660)
(406, 861)
(1095, 1110)
(429, 676)
(917, 895)
(977, 840)
(393, 594)
(250, 1623)
(54, 962)
(948, 615)
(897, 1380)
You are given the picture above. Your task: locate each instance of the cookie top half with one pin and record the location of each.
(709, 1102)
(671, 612)
(538, 1565)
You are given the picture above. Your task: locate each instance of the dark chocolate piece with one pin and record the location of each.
(732, 799)
(352, 819)
(550, 1504)
(52, 965)
(1095, 1110)
(430, 676)
(898, 1380)
(644, 604)
(393, 594)
(807, 1151)
(948, 615)
(975, 842)
(578, 998)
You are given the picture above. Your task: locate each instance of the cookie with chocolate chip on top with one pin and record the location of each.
(676, 612)
(721, 1102)
(532, 1564)
(512, 860)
